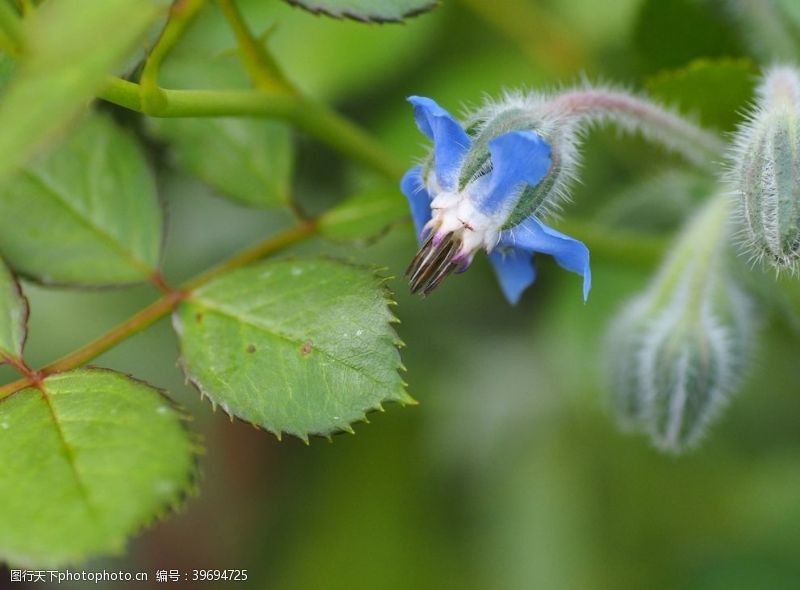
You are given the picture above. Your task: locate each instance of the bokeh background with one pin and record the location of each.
(510, 473)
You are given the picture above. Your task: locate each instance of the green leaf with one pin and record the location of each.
(69, 48)
(704, 32)
(718, 91)
(86, 214)
(247, 160)
(365, 216)
(296, 346)
(13, 315)
(86, 461)
(369, 11)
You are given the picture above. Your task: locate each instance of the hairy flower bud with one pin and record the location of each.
(691, 362)
(766, 171)
(532, 112)
(625, 341)
(679, 350)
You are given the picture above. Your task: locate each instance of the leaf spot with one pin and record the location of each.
(307, 347)
(251, 348)
(199, 318)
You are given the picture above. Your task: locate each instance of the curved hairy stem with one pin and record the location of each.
(636, 114)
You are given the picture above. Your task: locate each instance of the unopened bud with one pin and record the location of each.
(679, 350)
(626, 340)
(692, 361)
(766, 171)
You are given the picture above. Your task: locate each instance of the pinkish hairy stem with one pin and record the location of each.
(634, 114)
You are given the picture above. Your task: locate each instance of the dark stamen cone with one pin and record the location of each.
(432, 264)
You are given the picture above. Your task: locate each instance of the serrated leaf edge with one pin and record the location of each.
(367, 19)
(26, 312)
(170, 507)
(402, 396)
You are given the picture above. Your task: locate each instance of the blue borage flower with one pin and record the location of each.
(456, 216)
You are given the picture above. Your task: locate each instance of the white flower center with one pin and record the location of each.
(455, 213)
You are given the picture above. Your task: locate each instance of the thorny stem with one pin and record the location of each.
(304, 229)
(264, 72)
(19, 364)
(310, 116)
(260, 65)
(158, 280)
(274, 96)
(181, 14)
(133, 325)
(157, 310)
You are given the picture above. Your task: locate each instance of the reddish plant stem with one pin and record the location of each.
(155, 311)
(159, 282)
(34, 377)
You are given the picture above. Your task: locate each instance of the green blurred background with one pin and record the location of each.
(510, 473)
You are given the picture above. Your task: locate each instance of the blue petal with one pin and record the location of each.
(518, 157)
(534, 236)
(515, 271)
(413, 187)
(450, 141)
